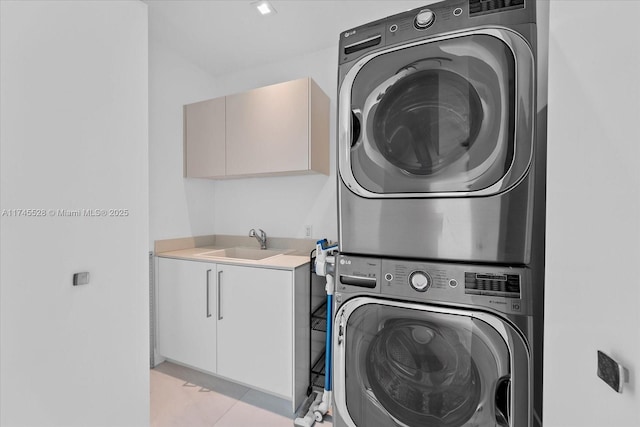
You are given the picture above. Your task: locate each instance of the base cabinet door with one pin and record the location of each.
(255, 327)
(187, 297)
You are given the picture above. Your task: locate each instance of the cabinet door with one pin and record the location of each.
(187, 312)
(268, 129)
(204, 139)
(255, 327)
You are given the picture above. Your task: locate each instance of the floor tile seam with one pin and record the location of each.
(230, 408)
(196, 399)
(190, 396)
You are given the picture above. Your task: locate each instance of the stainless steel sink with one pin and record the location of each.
(243, 253)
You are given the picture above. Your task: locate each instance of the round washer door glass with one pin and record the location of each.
(435, 117)
(417, 368)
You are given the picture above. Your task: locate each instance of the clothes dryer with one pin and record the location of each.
(441, 144)
(433, 344)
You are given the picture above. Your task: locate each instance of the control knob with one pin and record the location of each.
(424, 19)
(420, 281)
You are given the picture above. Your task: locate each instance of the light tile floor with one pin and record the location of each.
(182, 397)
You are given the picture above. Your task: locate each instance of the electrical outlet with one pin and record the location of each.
(308, 231)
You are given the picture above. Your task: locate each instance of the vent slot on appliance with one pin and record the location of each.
(482, 7)
(362, 44)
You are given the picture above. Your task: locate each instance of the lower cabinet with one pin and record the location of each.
(255, 327)
(187, 312)
(247, 324)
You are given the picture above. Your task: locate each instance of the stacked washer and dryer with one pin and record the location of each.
(439, 279)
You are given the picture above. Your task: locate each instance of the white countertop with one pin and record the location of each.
(280, 261)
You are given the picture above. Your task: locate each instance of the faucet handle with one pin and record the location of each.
(262, 238)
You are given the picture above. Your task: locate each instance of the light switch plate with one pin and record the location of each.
(612, 372)
(81, 278)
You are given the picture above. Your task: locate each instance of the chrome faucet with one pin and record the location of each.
(262, 238)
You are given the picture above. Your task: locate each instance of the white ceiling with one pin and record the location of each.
(226, 36)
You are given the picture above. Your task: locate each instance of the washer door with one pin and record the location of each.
(406, 364)
(441, 117)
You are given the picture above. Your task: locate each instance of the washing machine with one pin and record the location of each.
(441, 133)
(437, 344)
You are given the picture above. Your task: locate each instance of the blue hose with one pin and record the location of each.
(328, 345)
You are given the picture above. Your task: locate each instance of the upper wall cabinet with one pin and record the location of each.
(274, 130)
(204, 139)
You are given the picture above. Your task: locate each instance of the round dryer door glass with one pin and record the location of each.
(417, 368)
(427, 121)
(435, 117)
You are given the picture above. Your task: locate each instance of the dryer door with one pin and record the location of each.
(406, 364)
(449, 116)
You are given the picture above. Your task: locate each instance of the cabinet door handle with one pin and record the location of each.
(208, 308)
(219, 295)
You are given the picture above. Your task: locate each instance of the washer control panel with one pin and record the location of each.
(500, 288)
(505, 289)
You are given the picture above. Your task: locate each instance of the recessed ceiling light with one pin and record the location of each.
(264, 7)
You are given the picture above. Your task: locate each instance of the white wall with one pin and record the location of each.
(593, 200)
(73, 112)
(282, 206)
(179, 207)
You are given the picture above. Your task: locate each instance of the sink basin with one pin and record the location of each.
(242, 253)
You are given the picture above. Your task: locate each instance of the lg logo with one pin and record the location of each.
(345, 261)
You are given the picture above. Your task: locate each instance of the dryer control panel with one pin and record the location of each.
(429, 21)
